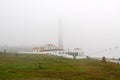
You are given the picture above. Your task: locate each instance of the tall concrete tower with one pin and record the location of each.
(60, 35)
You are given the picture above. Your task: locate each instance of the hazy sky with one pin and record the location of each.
(92, 25)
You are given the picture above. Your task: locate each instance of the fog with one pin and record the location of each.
(92, 25)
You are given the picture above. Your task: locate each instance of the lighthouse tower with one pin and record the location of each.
(60, 35)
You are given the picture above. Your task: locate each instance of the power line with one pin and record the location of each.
(105, 50)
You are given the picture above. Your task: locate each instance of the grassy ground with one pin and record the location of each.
(46, 67)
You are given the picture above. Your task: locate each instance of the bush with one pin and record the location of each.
(103, 59)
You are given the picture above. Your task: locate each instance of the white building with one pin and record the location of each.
(77, 53)
(48, 49)
(54, 50)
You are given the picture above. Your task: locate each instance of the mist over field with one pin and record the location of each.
(91, 25)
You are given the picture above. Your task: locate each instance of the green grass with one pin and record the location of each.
(46, 67)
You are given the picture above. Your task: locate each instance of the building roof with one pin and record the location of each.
(77, 49)
(49, 45)
(42, 47)
(35, 48)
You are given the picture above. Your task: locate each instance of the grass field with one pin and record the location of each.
(46, 67)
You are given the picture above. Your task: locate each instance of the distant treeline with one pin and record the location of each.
(14, 49)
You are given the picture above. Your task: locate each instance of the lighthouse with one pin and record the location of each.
(60, 35)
